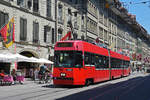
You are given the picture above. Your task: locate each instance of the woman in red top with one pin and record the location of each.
(2, 73)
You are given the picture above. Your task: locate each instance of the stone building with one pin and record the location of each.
(112, 24)
(68, 14)
(34, 27)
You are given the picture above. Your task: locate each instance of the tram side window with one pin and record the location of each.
(78, 59)
(112, 63)
(126, 64)
(97, 61)
(87, 59)
(105, 62)
(101, 61)
(93, 59)
(119, 63)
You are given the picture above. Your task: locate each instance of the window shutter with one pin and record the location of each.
(37, 32)
(45, 33)
(34, 31)
(53, 36)
(21, 29)
(49, 34)
(25, 29)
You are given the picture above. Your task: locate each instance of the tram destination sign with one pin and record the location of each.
(66, 44)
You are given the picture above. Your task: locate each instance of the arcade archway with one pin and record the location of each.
(27, 68)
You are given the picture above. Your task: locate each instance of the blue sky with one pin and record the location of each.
(141, 10)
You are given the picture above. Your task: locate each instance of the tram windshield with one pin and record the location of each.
(68, 59)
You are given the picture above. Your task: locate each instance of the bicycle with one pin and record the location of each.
(45, 78)
(48, 78)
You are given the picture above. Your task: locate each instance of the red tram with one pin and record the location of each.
(82, 63)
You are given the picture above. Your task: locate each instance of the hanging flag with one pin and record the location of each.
(3, 32)
(7, 32)
(68, 35)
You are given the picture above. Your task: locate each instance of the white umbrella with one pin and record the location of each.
(7, 58)
(33, 59)
(10, 57)
(43, 60)
(21, 58)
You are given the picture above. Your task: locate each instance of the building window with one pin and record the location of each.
(60, 13)
(101, 32)
(35, 5)
(82, 21)
(47, 34)
(53, 36)
(60, 31)
(76, 1)
(3, 20)
(29, 4)
(69, 17)
(20, 2)
(70, 1)
(23, 29)
(48, 8)
(105, 35)
(23, 3)
(35, 32)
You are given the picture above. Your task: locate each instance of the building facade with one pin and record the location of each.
(34, 22)
(69, 18)
(34, 25)
(114, 26)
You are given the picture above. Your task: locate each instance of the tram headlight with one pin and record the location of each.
(62, 74)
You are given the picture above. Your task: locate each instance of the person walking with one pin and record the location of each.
(36, 71)
(13, 73)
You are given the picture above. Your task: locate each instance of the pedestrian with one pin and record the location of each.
(31, 73)
(2, 74)
(36, 71)
(13, 73)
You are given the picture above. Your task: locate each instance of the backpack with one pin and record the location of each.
(42, 70)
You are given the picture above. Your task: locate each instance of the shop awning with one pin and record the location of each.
(10, 57)
(40, 60)
(43, 60)
(6, 58)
